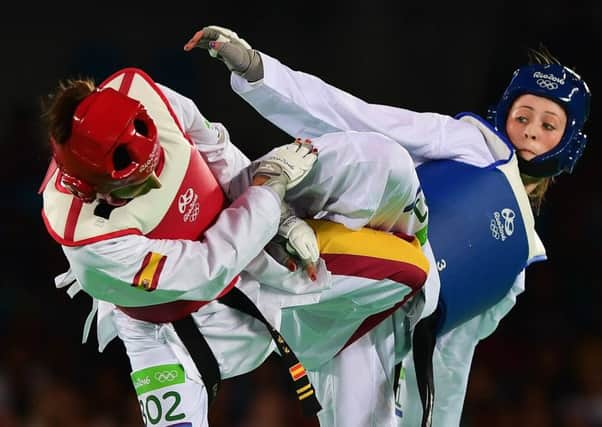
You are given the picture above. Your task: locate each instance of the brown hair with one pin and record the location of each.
(59, 106)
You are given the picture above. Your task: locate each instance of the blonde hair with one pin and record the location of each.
(537, 195)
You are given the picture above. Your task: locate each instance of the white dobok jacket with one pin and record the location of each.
(305, 106)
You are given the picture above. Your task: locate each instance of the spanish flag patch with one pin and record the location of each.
(297, 371)
(147, 277)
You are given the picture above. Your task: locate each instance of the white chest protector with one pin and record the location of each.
(187, 203)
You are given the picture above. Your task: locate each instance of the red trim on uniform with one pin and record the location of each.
(72, 216)
(375, 268)
(52, 167)
(151, 82)
(372, 322)
(145, 262)
(126, 82)
(170, 311)
(155, 281)
(404, 236)
(228, 288)
(378, 269)
(163, 313)
(63, 241)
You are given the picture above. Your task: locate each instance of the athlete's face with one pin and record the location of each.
(535, 125)
(121, 195)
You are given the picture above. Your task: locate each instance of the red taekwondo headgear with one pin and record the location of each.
(113, 144)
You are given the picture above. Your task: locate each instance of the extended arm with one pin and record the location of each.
(306, 106)
(138, 271)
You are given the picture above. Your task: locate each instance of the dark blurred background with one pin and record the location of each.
(540, 368)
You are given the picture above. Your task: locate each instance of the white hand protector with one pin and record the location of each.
(292, 161)
(295, 241)
(300, 239)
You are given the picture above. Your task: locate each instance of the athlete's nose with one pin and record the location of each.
(530, 132)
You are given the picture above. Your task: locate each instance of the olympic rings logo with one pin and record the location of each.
(185, 199)
(188, 205)
(547, 84)
(502, 224)
(494, 229)
(164, 376)
(192, 213)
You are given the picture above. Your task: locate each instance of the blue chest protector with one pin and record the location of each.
(478, 234)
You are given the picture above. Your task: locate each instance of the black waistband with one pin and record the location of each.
(207, 364)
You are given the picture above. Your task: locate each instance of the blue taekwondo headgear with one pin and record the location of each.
(564, 86)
